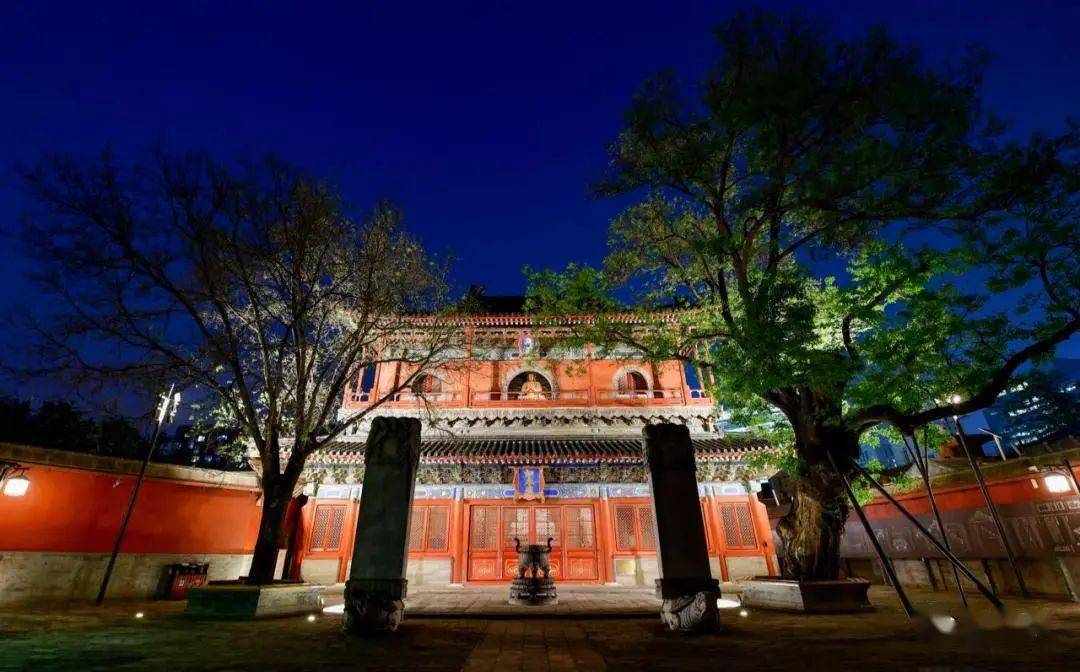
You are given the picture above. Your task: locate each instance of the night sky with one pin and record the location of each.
(485, 121)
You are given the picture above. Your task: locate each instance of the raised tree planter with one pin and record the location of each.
(239, 601)
(842, 596)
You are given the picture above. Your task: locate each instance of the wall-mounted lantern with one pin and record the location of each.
(14, 480)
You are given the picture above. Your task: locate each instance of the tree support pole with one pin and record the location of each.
(885, 562)
(163, 412)
(990, 506)
(956, 562)
(920, 459)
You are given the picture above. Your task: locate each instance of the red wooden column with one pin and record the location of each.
(346, 548)
(469, 332)
(715, 531)
(458, 540)
(589, 374)
(764, 532)
(605, 545)
(685, 384)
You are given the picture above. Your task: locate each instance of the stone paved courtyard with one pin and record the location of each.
(1042, 636)
(574, 601)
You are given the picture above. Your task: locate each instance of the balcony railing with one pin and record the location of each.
(658, 393)
(407, 396)
(661, 396)
(574, 396)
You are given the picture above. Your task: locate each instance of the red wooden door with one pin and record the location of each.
(484, 544)
(580, 561)
(492, 553)
(515, 527)
(547, 524)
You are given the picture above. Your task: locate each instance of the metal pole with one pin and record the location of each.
(957, 564)
(990, 506)
(134, 494)
(920, 462)
(885, 562)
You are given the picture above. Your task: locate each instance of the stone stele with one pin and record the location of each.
(375, 591)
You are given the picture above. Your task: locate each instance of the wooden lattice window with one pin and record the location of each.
(416, 528)
(625, 534)
(484, 530)
(547, 526)
(635, 527)
(437, 535)
(515, 526)
(427, 384)
(738, 524)
(646, 527)
(429, 530)
(579, 527)
(327, 527)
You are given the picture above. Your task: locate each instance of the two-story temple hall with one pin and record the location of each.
(525, 445)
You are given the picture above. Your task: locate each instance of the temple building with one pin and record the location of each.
(528, 442)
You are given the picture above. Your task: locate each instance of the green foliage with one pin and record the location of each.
(800, 146)
(864, 492)
(578, 290)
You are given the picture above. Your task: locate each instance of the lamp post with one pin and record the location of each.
(166, 411)
(989, 502)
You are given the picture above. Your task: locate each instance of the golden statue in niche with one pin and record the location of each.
(531, 388)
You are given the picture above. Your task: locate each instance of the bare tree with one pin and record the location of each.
(249, 285)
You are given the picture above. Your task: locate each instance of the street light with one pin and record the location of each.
(14, 479)
(168, 403)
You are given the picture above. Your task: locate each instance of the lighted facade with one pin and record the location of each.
(503, 404)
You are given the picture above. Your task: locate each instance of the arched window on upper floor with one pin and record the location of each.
(427, 385)
(633, 384)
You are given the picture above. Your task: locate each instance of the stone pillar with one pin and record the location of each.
(375, 591)
(686, 586)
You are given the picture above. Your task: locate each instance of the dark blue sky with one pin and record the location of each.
(484, 120)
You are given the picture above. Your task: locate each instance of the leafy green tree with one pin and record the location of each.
(847, 233)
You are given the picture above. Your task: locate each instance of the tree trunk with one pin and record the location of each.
(276, 498)
(810, 533)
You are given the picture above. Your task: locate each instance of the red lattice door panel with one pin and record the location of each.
(429, 529)
(327, 527)
(515, 527)
(635, 529)
(547, 524)
(484, 544)
(492, 555)
(738, 524)
(579, 544)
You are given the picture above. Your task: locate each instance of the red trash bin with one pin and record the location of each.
(183, 577)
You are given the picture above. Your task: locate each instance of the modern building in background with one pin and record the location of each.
(523, 441)
(1043, 407)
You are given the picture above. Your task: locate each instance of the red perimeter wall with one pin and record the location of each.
(78, 511)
